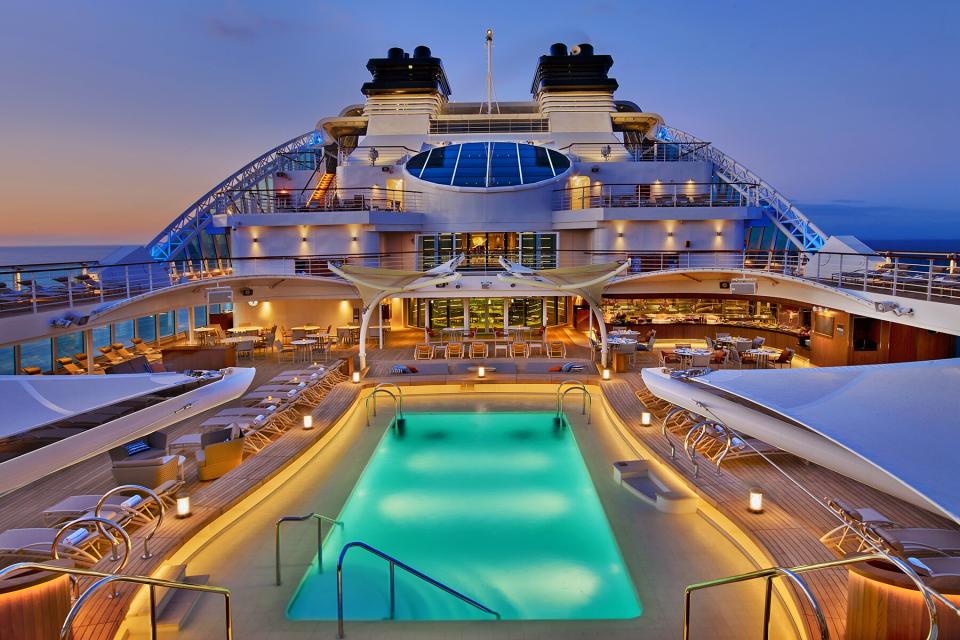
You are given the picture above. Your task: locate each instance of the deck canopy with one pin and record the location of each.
(586, 280)
(902, 418)
(34, 401)
(374, 282)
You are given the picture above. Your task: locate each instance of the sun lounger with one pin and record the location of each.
(907, 542)
(853, 520)
(79, 545)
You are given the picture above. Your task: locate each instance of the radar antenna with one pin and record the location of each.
(491, 94)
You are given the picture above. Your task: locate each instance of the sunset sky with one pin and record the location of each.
(116, 115)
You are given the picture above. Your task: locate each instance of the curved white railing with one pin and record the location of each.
(196, 216)
(800, 230)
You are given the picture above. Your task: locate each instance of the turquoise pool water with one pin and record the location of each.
(499, 506)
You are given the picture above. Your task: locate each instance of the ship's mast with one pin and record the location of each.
(491, 94)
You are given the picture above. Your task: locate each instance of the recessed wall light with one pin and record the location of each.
(669, 234)
(255, 240)
(719, 233)
(303, 238)
(620, 235)
(354, 238)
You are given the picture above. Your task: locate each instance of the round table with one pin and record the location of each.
(302, 347)
(762, 355)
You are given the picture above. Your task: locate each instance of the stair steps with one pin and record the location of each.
(174, 606)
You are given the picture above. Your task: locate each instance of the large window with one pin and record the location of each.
(36, 354)
(101, 337)
(123, 332)
(8, 366)
(483, 250)
(485, 313)
(487, 164)
(147, 328)
(69, 344)
(165, 323)
(183, 320)
(200, 316)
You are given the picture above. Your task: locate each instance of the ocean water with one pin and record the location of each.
(499, 506)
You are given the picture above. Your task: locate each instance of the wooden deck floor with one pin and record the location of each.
(789, 529)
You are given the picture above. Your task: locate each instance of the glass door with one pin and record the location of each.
(486, 314)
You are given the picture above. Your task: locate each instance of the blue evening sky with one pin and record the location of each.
(116, 114)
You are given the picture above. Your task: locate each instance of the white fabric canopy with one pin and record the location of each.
(33, 401)
(903, 418)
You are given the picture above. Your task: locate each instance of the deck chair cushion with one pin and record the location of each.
(412, 369)
(399, 369)
(555, 369)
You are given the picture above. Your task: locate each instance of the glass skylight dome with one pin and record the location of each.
(487, 164)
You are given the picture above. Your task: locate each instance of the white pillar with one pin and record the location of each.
(380, 315)
(603, 334)
(543, 312)
(506, 315)
(466, 313)
(191, 326)
(590, 330)
(88, 348)
(364, 325)
(426, 319)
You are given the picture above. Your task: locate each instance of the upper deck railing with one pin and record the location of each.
(923, 276)
(656, 194)
(648, 152)
(255, 201)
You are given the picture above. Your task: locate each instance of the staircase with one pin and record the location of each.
(174, 606)
(326, 183)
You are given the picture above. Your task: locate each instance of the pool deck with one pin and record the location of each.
(787, 532)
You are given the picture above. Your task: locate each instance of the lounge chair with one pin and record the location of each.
(70, 367)
(518, 349)
(36, 543)
(31, 371)
(423, 352)
(938, 572)
(110, 356)
(153, 445)
(216, 459)
(138, 508)
(907, 542)
(122, 351)
(853, 520)
(454, 350)
(141, 348)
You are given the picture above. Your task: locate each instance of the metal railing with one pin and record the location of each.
(405, 567)
(146, 555)
(929, 276)
(586, 404)
(197, 215)
(645, 152)
(375, 155)
(794, 224)
(397, 403)
(320, 518)
(658, 194)
(257, 201)
(929, 595)
(106, 578)
(481, 124)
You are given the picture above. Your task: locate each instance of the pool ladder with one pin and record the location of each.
(394, 563)
(381, 389)
(320, 518)
(586, 405)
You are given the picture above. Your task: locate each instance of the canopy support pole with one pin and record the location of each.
(365, 324)
(604, 347)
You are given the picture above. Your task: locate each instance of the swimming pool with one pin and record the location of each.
(499, 506)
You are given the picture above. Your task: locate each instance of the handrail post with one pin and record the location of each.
(393, 592)
(767, 595)
(153, 613)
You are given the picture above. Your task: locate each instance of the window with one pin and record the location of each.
(183, 320)
(36, 354)
(483, 250)
(147, 328)
(7, 362)
(200, 316)
(123, 332)
(165, 323)
(101, 337)
(69, 344)
(487, 164)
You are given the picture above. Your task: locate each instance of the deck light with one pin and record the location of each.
(354, 238)
(183, 505)
(756, 501)
(256, 240)
(253, 303)
(620, 234)
(308, 422)
(481, 372)
(606, 374)
(356, 377)
(645, 418)
(719, 233)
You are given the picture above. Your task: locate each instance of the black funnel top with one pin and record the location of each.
(581, 71)
(401, 73)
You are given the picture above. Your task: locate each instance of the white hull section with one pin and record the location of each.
(800, 441)
(31, 466)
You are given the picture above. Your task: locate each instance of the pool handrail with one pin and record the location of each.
(384, 385)
(395, 563)
(373, 396)
(586, 405)
(320, 518)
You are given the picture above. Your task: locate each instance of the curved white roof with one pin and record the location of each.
(34, 401)
(903, 418)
